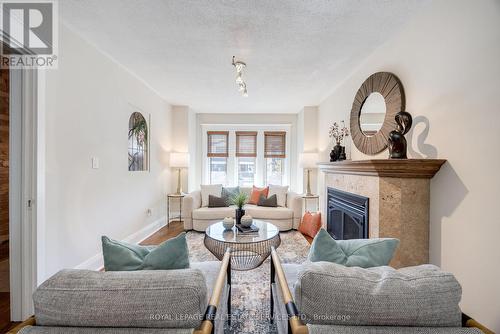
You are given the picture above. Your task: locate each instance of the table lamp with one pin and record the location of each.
(308, 162)
(179, 160)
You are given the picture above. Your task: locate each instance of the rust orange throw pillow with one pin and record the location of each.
(256, 193)
(311, 224)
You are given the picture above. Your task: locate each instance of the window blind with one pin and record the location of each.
(274, 144)
(217, 144)
(246, 144)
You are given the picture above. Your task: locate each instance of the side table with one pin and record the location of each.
(308, 198)
(171, 197)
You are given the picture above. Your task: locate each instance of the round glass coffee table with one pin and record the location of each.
(248, 250)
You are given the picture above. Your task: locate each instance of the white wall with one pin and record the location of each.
(89, 99)
(448, 60)
(180, 143)
(307, 141)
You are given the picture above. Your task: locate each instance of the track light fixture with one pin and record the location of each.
(242, 86)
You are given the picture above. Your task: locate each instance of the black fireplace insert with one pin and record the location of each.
(347, 215)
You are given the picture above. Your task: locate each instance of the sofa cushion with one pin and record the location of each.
(140, 299)
(98, 330)
(209, 189)
(217, 202)
(229, 192)
(280, 192)
(214, 213)
(354, 252)
(122, 256)
(257, 193)
(382, 296)
(311, 224)
(329, 329)
(270, 202)
(246, 190)
(262, 212)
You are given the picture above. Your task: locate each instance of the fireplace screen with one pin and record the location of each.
(347, 215)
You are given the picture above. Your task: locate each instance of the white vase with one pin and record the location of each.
(228, 223)
(246, 221)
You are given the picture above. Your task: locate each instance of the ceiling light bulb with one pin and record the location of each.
(245, 93)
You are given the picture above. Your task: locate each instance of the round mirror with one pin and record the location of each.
(378, 100)
(372, 114)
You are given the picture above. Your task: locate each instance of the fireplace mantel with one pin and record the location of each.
(399, 200)
(398, 168)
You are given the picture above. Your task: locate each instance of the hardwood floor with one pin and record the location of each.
(166, 232)
(174, 229)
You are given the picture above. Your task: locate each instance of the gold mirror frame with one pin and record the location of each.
(390, 87)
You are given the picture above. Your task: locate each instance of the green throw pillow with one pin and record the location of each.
(364, 253)
(122, 256)
(229, 192)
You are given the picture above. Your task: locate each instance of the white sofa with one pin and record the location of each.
(198, 218)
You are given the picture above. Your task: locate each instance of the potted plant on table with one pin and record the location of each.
(239, 200)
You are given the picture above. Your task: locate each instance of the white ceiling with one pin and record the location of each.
(296, 51)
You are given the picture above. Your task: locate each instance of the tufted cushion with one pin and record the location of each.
(86, 298)
(414, 296)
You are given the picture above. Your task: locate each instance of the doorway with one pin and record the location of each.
(4, 199)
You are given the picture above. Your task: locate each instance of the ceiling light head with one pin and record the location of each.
(239, 66)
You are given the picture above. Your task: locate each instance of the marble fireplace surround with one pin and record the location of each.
(399, 200)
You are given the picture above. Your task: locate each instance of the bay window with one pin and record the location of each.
(246, 153)
(217, 153)
(275, 154)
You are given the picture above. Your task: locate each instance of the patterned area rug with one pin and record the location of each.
(250, 289)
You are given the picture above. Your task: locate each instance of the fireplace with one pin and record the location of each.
(347, 215)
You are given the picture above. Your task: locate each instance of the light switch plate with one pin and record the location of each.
(95, 163)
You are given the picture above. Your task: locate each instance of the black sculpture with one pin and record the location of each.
(397, 140)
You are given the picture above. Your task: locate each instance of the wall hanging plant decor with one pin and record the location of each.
(138, 143)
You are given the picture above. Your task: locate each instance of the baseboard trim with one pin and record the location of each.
(96, 262)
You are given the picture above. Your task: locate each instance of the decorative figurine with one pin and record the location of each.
(397, 140)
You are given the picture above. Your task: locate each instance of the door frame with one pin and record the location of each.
(25, 198)
(26, 186)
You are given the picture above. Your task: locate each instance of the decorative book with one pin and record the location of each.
(250, 229)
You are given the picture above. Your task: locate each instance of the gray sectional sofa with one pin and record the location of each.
(198, 218)
(193, 300)
(323, 297)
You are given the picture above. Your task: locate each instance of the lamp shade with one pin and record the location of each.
(308, 160)
(179, 160)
